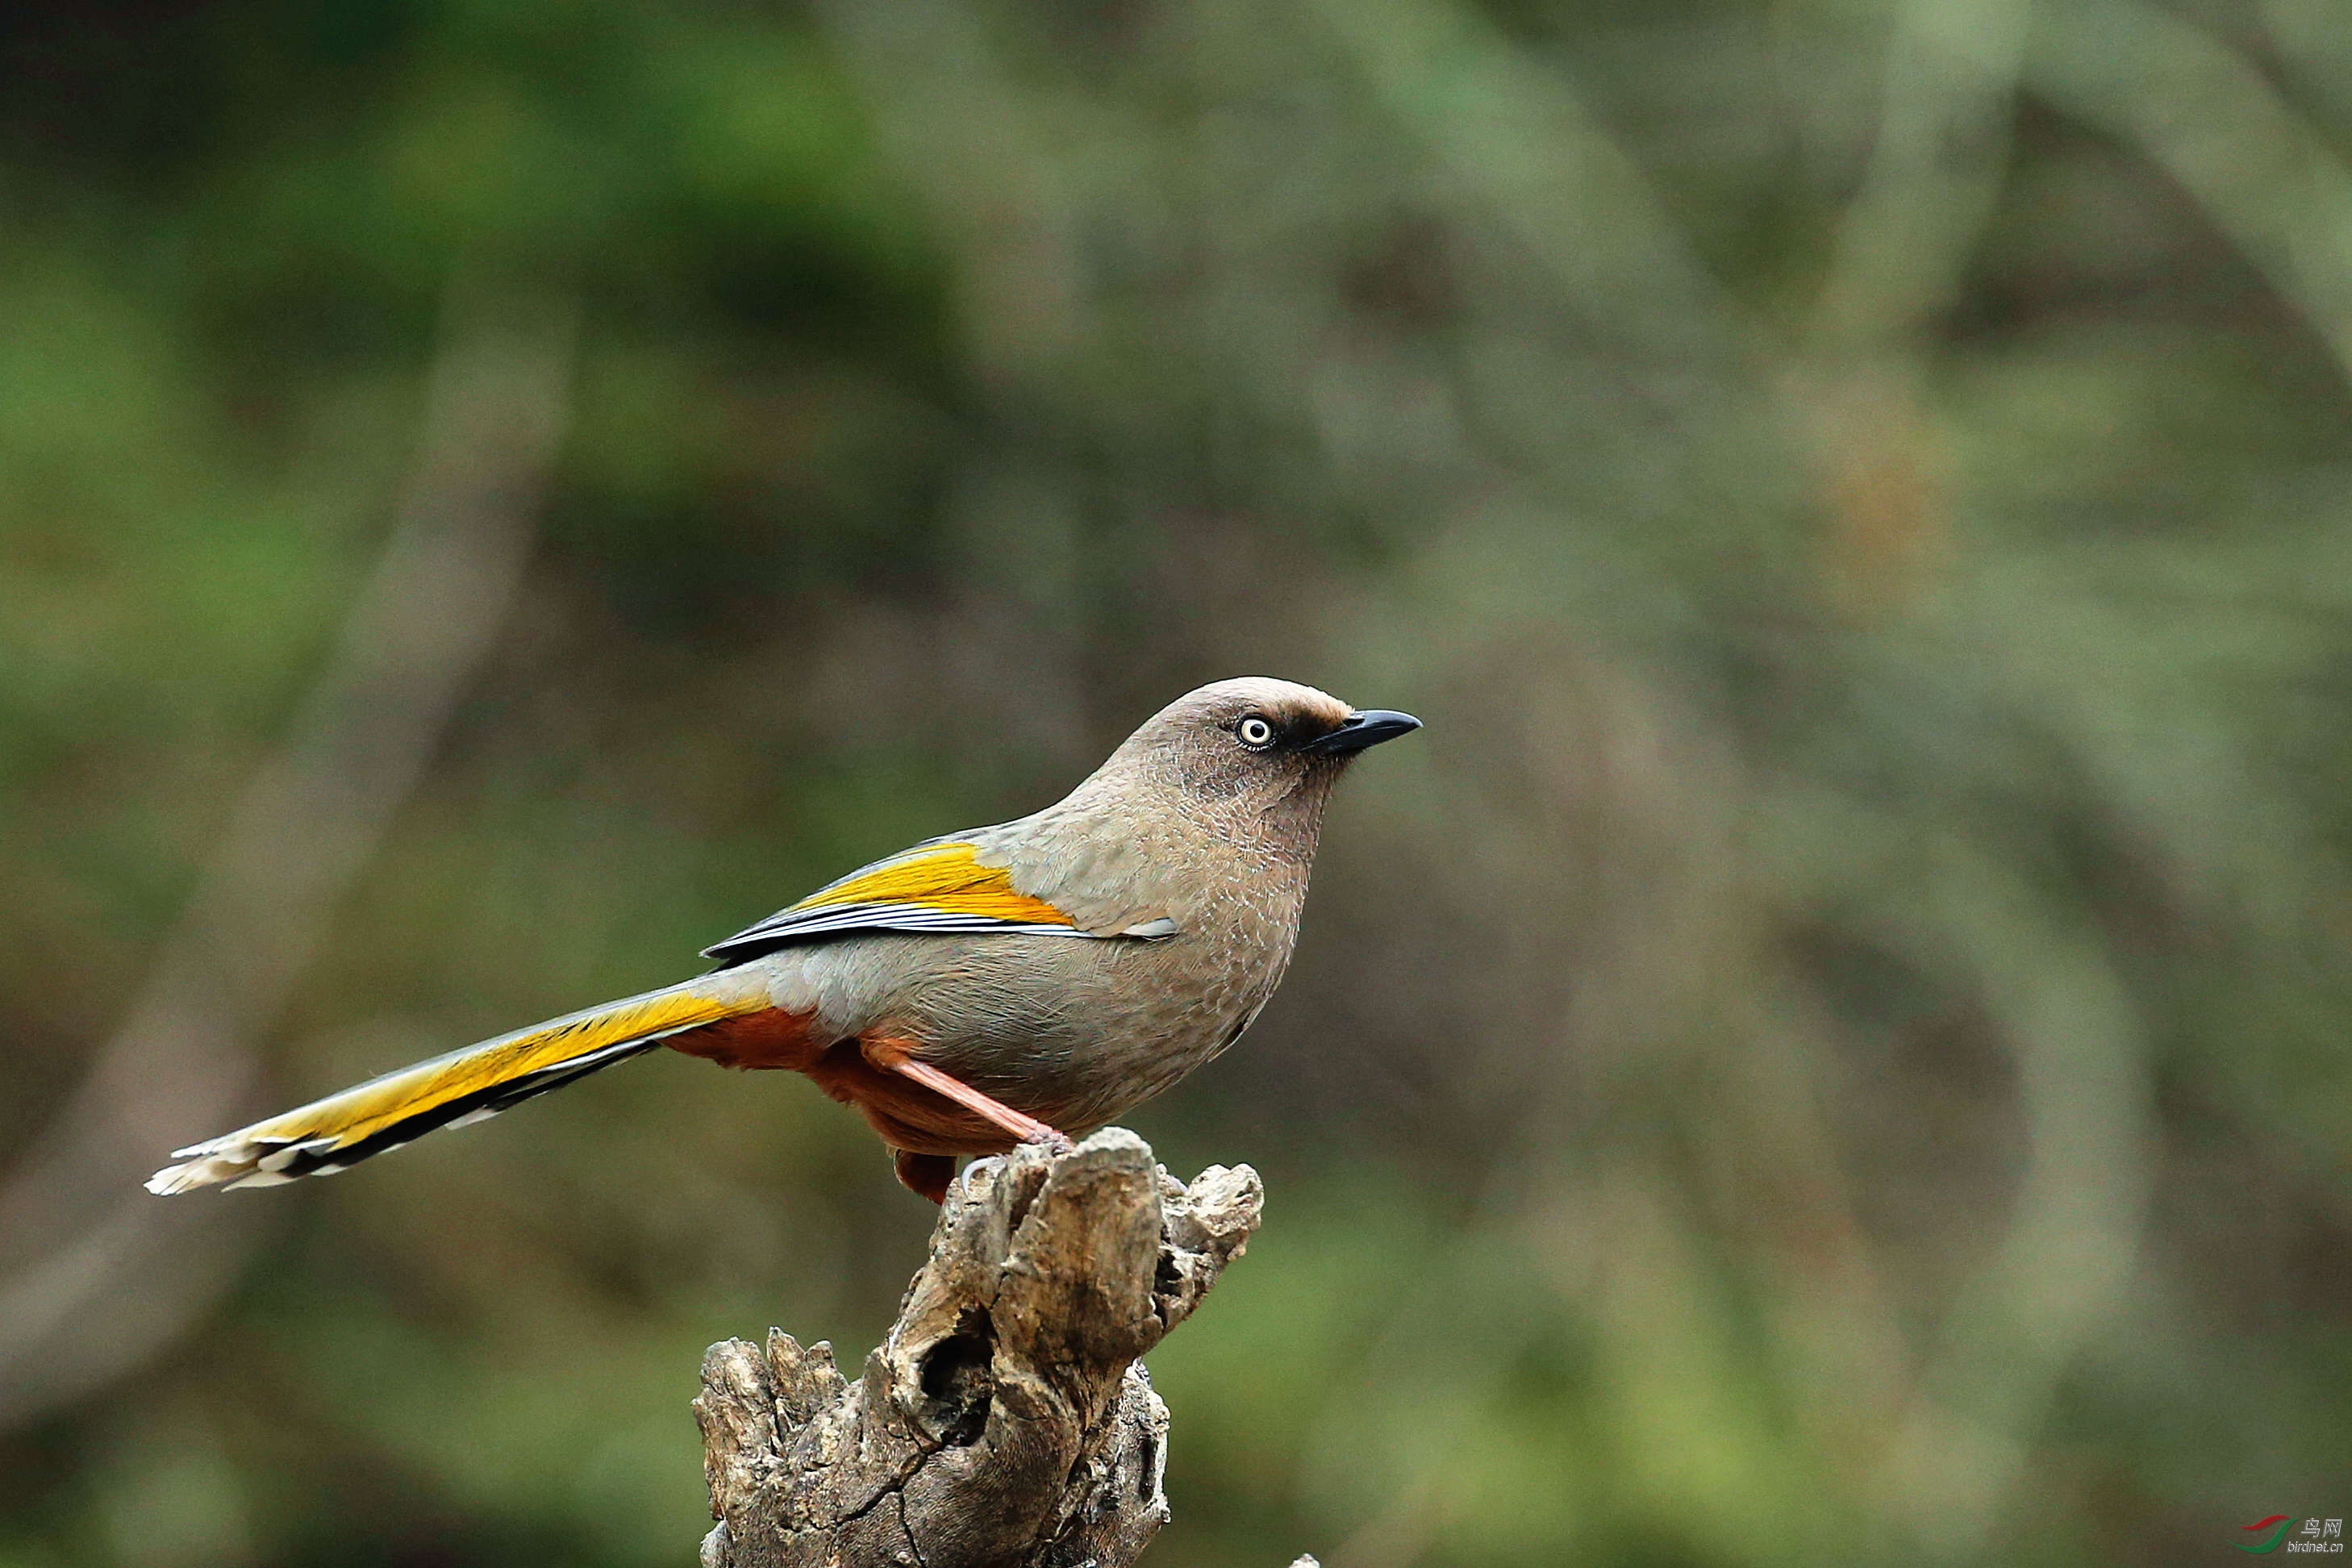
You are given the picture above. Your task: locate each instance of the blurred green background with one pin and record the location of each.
(1829, 1049)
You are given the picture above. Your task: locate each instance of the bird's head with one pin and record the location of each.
(1256, 743)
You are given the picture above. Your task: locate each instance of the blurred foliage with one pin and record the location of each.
(1829, 1049)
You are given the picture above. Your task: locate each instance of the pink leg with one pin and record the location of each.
(1028, 1129)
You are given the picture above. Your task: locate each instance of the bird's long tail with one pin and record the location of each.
(463, 1087)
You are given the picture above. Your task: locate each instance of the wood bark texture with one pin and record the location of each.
(1005, 1422)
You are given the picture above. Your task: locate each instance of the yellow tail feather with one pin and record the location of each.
(464, 1086)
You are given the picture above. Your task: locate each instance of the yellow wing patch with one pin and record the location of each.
(948, 877)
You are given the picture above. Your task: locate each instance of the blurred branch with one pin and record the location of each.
(958, 124)
(101, 1274)
(1934, 169)
(2262, 172)
(1003, 1421)
(1984, 1394)
(1523, 144)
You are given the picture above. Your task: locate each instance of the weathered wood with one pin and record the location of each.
(1005, 1422)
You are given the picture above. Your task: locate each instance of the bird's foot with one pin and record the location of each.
(1053, 1139)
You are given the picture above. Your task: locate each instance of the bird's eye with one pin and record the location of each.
(1254, 732)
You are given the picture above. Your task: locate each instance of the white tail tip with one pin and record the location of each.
(210, 1170)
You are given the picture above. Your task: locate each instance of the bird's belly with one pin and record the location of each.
(1073, 1031)
(1084, 1063)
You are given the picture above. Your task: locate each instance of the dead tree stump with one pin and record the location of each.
(1005, 1422)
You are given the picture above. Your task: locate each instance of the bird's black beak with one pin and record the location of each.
(1369, 727)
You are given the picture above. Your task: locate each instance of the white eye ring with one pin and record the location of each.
(1254, 732)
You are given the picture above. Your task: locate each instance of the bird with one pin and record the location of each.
(1007, 984)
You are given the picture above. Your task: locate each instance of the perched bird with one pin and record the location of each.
(976, 991)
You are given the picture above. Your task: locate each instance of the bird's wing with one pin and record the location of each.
(935, 887)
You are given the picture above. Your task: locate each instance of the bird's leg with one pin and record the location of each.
(1026, 1128)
